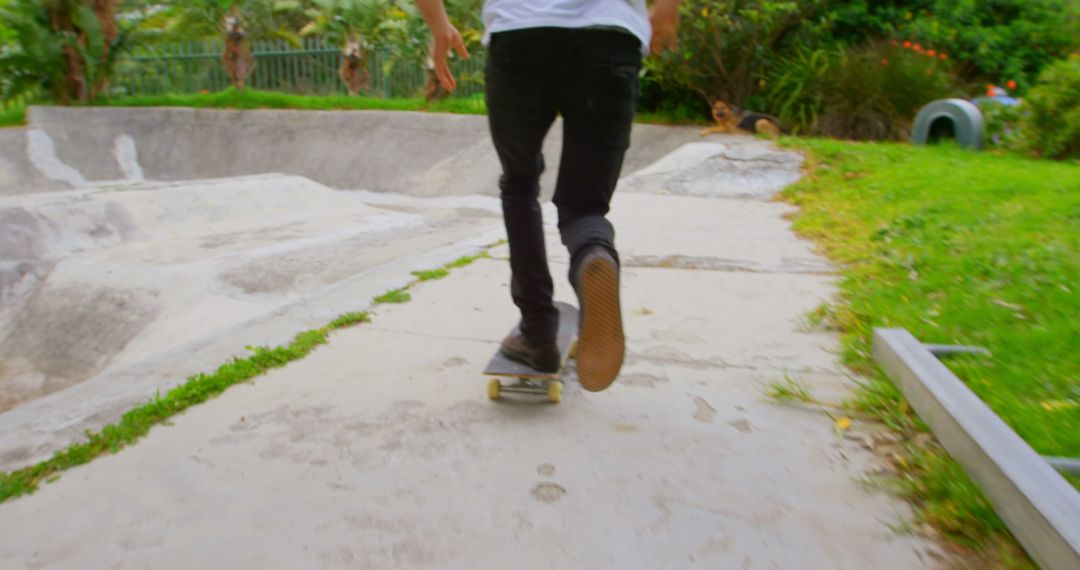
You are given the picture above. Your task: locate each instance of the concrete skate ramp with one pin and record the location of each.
(141, 246)
(417, 154)
(103, 278)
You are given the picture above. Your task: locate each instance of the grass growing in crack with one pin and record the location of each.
(430, 275)
(137, 422)
(348, 320)
(789, 391)
(466, 260)
(396, 296)
(402, 295)
(959, 248)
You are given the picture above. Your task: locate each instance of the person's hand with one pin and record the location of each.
(664, 17)
(446, 38)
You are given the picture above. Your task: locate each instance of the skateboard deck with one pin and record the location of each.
(530, 381)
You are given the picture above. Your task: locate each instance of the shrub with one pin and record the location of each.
(796, 91)
(726, 47)
(863, 93)
(1002, 125)
(1000, 40)
(1051, 121)
(66, 48)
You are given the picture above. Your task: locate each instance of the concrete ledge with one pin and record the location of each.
(1038, 505)
(419, 154)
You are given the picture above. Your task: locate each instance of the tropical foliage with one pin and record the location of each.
(861, 93)
(813, 59)
(1051, 118)
(66, 47)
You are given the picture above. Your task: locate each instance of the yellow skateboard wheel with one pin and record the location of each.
(494, 389)
(555, 392)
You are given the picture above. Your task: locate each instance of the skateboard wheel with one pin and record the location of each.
(494, 389)
(555, 392)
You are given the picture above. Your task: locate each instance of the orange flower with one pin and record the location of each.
(907, 44)
(884, 61)
(944, 56)
(204, 92)
(931, 53)
(1011, 85)
(917, 47)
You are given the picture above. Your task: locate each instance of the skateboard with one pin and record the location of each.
(530, 381)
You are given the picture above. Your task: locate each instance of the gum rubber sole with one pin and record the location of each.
(601, 344)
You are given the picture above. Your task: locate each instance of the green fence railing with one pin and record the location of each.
(308, 69)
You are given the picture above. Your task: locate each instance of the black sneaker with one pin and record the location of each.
(601, 344)
(542, 357)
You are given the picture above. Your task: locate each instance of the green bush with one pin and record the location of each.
(1002, 125)
(1051, 119)
(863, 93)
(727, 47)
(999, 40)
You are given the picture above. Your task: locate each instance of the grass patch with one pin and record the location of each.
(13, 117)
(958, 247)
(137, 422)
(348, 320)
(397, 296)
(467, 260)
(252, 99)
(430, 275)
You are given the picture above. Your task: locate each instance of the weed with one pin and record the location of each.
(430, 275)
(396, 296)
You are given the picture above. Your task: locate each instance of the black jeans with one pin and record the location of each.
(590, 78)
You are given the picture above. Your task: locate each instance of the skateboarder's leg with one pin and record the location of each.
(520, 112)
(598, 111)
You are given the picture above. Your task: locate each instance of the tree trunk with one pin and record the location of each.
(74, 85)
(106, 13)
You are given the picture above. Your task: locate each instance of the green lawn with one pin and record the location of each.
(957, 247)
(251, 99)
(13, 117)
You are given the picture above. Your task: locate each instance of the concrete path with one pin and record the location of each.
(380, 450)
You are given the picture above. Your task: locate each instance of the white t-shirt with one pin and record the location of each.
(507, 15)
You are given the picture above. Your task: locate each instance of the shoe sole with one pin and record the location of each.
(601, 345)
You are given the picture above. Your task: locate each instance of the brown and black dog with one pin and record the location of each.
(237, 57)
(353, 71)
(735, 120)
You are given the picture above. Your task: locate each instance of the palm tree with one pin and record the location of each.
(66, 47)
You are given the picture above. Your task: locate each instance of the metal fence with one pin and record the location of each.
(308, 69)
